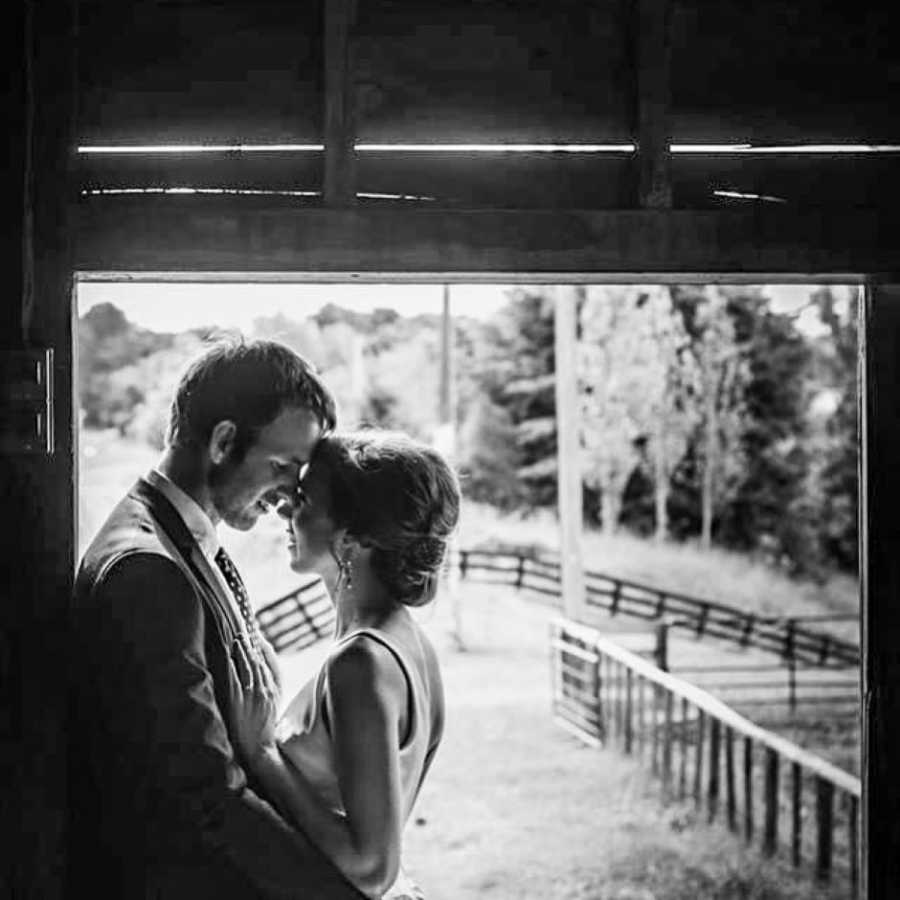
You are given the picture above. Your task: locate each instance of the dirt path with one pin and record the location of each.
(516, 809)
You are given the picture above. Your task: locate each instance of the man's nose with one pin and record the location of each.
(284, 507)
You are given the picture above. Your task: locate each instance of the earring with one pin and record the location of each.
(345, 575)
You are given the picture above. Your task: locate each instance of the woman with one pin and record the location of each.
(372, 516)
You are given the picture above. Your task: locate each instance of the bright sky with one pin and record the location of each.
(176, 307)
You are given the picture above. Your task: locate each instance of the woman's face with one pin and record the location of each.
(311, 529)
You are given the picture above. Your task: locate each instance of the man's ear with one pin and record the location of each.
(221, 441)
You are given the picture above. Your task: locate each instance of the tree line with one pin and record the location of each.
(704, 415)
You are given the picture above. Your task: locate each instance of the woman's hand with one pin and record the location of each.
(255, 696)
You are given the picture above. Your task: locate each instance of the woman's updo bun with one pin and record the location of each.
(399, 497)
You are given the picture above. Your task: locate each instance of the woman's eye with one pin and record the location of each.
(300, 496)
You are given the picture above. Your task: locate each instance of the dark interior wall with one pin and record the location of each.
(36, 489)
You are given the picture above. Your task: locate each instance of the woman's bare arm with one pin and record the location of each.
(366, 699)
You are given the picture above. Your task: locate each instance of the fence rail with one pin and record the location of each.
(298, 619)
(764, 787)
(787, 636)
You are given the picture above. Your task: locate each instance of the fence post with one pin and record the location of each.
(629, 730)
(642, 737)
(682, 765)
(714, 742)
(661, 653)
(667, 744)
(616, 597)
(748, 789)
(463, 563)
(770, 833)
(698, 759)
(654, 731)
(824, 827)
(520, 572)
(792, 684)
(853, 826)
(729, 779)
(796, 812)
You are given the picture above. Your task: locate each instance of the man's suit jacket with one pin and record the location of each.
(160, 806)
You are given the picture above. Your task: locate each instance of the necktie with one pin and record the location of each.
(233, 579)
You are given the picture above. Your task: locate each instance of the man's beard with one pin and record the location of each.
(236, 516)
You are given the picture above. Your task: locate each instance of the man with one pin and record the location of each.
(160, 805)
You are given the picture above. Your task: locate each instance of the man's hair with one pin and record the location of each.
(248, 383)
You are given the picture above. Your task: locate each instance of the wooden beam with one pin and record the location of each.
(653, 89)
(340, 120)
(568, 450)
(880, 582)
(193, 234)
(38, 488)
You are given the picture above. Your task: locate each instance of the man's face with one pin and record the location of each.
(241, 492)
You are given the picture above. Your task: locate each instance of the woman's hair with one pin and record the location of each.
(397, 496)
(250, 383)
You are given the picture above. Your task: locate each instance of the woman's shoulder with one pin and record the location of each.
(360, 664)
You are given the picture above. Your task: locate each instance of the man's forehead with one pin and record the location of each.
(293, 433)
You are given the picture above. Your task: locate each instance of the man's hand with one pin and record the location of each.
(254, 695)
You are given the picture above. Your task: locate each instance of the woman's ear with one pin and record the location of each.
(221, 441)
(346, 546)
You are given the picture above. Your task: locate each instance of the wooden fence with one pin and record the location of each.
(762, 786)
(298, 619)
(787, 636)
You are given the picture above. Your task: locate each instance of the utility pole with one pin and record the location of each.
(445, 441)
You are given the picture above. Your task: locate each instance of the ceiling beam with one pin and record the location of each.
(340, 120)
(653, 52)
(217, 235)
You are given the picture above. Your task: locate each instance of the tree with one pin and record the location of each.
(721, 371)
(668, 412)
(835, 479)
(609, 351)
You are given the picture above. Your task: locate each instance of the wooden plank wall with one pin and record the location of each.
(37, 492)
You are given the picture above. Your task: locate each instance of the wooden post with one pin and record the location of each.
(853, 840)
(629, 711)
(654, 50)
(748, 789)
(715, 736)
(796, 812)
(682, 765)
(38, 488)
(729, 780)
(654, 731)
(770, 830)
(880, 587)
(339, 183)
(698, 758)
(445, 442)
(667, 743)
(642, 737)
(568, 451)
(824, 827)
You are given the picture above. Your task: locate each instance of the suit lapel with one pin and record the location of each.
(190, 557)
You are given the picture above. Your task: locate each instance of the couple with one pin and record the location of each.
(181, 786)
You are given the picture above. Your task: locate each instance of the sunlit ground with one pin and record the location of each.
(515, 808)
